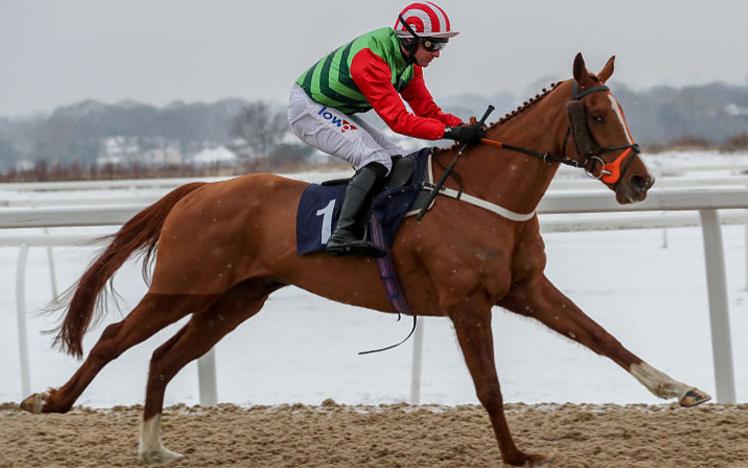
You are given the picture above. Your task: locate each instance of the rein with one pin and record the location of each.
(610, 173)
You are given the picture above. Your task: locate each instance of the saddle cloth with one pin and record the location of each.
(319, 207)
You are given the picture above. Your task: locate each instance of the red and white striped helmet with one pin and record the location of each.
(425, 18)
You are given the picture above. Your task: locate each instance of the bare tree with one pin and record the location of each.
(259, 128)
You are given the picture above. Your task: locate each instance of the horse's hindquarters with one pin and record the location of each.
(225, 233)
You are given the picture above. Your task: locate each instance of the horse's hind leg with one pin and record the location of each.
(196, 338)
(541, 300)
(154, 312)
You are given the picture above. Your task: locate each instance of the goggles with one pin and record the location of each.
(433, 44)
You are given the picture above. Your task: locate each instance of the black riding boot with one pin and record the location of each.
(344, 240)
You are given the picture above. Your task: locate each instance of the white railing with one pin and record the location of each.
(154, 193)
(135, 184)
(587, 183)
(123, 184)
(568, 176)
(706, 202)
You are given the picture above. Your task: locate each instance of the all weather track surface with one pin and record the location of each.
(399, 435)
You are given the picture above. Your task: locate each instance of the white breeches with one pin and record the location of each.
(335, 133)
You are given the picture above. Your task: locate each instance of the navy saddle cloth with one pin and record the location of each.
(319, 207)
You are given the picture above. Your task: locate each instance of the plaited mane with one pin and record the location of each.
(535, 99)
(525, 105)
(521, 108)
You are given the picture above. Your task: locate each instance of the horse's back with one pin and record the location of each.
(247, 188)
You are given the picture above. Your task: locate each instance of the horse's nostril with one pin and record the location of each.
(642, 183)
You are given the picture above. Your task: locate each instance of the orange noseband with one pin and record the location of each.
(611, 172)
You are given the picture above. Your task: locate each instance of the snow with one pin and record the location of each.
(735, 110)
(302, 348)
(696, 158)
(220, 154)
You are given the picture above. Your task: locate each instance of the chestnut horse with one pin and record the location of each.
(224, 247)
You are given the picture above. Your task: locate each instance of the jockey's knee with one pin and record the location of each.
(379, 169)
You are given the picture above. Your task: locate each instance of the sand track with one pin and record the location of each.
(333, 435)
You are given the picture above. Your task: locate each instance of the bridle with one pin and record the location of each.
(585, 144)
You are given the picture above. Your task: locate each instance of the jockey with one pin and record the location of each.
(374, 71)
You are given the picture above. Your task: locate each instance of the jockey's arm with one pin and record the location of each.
(420, 100)
(372, 76)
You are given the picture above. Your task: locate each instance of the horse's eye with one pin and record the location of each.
(598, 118)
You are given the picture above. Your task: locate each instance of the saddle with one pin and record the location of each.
(319, 206)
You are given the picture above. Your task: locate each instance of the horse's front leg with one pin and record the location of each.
(540, 299)
(473, 327)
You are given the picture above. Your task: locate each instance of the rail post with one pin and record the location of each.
(745, 247)
(52, 273)
(23, 346)
(415, 376)
(206, 378)
(719, 314)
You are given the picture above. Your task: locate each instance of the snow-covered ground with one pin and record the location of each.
(303, 348)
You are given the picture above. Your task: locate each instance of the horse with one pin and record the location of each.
(224, 247)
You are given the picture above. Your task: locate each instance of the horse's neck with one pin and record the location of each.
(514, 180)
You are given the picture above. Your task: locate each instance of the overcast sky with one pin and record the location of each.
(156, 51)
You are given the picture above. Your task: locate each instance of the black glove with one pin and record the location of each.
(466, 133)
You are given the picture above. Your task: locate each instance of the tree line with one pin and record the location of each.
(99, 140)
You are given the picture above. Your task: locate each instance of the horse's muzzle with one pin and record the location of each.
(641, 184)
(634, 188)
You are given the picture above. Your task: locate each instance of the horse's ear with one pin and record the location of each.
(607, 70)
(581, 75)
(580, 69)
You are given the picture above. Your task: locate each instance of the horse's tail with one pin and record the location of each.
(140, 233)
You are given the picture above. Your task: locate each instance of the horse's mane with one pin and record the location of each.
(525, 105)
(533, 100)
(521, 108)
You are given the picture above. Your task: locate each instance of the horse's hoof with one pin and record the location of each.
(532, 460)
(35, 403)
(159, 456)
(693, 397)
(538, 460)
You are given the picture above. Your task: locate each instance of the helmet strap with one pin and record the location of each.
(408, 28)
(410, 45)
